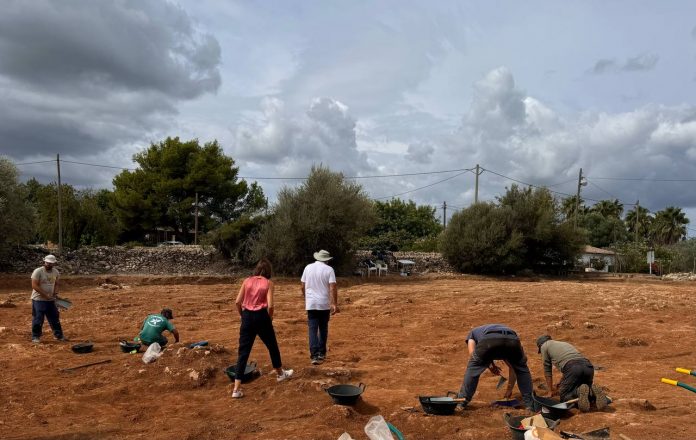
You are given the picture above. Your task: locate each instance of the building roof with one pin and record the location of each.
(595, 250)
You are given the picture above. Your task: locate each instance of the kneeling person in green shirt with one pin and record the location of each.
(154, 325)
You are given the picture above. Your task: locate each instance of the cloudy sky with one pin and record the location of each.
(529, 90)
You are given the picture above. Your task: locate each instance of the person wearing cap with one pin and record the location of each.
(44, 283)
(577, 373)
(154, 325)
(321, 301)
(489, 343)
(255, 306)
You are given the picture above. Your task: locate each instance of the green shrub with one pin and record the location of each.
(326, 212)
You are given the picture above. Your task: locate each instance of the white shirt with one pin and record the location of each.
(316, 278)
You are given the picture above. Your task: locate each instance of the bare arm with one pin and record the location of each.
(36, 285)
(55, 288)
(303, 290)
(471, 344)
(240, 299)
(512, 380)
(175, 332)
(334, 298)
(269, 298)
(549, 384)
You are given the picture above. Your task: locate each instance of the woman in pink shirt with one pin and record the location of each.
(255, 306)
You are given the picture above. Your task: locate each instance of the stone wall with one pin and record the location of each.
(170, 260)
(174, 260)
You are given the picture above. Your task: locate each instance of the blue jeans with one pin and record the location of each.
(318, 323)
(48, 309)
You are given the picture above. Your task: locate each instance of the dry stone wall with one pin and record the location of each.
(170, 260)
(175, 260)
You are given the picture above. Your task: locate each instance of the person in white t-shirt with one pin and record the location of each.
(44, 283)
(321, 301)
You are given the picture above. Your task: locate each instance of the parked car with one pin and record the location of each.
(170, 243)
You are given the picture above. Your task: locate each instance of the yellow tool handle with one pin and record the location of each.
(669, 381)
(683, 370)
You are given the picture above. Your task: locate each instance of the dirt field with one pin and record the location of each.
(401, 337)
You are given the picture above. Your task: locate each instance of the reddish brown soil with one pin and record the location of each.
(401, 337)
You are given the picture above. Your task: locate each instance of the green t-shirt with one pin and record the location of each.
(153, 326)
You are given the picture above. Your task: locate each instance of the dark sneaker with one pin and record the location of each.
(584, 398)
(321, 357)
(36, 340)
(600, 397)
(63, 339)
(315, 360)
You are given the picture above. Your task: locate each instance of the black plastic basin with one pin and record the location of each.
(345, 394)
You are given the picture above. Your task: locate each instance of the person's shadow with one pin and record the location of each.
(365, 408)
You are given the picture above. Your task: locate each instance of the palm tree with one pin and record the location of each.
(609, 208)
(639, 220)
(669, 225)
(569, 205)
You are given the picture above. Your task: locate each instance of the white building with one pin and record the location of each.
(592, 259)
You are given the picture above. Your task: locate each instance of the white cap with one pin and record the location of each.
(50, 259)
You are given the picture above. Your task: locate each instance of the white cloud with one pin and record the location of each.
(293, 143)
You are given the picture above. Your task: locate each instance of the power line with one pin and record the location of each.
(602, 189)
(32, 163)
(376, 176)
(426, 186)
(100, 166)
(645, 179)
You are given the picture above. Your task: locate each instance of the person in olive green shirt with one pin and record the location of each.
(577, 373)
(154, 325)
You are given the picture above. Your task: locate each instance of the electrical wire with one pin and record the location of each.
(100, 166)
(602, 189)
(644, 179)
(423, 187)
(376, 176)
(32, 163)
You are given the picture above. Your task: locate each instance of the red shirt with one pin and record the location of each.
(255, 293)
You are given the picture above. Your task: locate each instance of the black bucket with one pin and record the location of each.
(548, 409)
(345, 394)
(514, 422)
(83, 347)
(250, 372)
(127, 347)
(439, 405)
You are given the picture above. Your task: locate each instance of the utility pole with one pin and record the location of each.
(478, 173)
(195, 233)
(60, 211)
(444, 214)
(637, 215)
(577, 200)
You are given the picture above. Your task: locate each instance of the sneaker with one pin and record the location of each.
(584, 398)
(36, 340)
(63, 339)
(287, 374)
(600, 397)
(316, 361)
(321, 357)
(237, 394)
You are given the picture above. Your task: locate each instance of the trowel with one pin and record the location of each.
(501, 382)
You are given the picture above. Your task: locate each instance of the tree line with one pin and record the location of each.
(193, 190)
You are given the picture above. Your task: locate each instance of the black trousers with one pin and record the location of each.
(575, 373)
(257, 323)
(498, 347)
